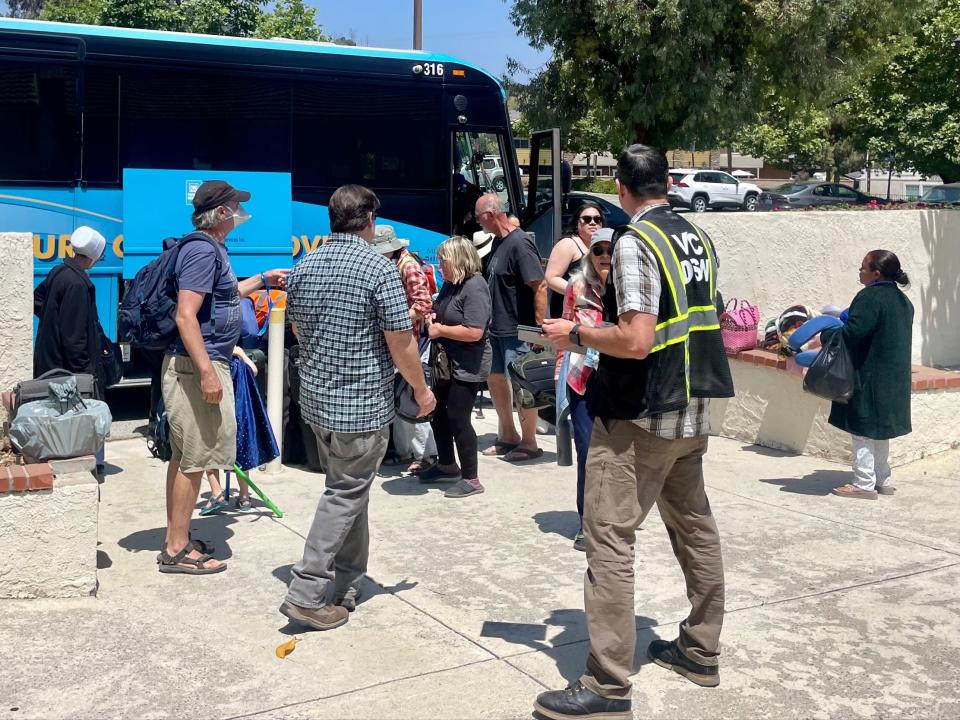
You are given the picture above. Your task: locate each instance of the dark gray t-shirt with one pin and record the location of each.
(466, 304)
(514, 262)
(203, 268)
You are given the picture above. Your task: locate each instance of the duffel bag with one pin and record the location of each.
(39, 388)
(532, 378)
(62, 426)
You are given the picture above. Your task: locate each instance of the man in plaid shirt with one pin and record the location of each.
(350, 314)
(661, 359)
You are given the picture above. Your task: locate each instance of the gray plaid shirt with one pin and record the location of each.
(343, 296)
(636, 279)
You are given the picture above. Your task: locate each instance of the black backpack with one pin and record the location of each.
(149, 308)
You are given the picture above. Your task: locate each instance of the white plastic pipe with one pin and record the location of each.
(275, 381)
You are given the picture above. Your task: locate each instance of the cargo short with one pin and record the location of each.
(203, 436)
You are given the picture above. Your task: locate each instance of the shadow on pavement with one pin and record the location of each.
(820, 482)
(369, 589)
(565, 523)
(213, 528)
(569, 664)
(768, 452)
(409, 485)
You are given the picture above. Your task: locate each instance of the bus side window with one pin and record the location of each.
(39, 120)
(188, 119)
(101, 115)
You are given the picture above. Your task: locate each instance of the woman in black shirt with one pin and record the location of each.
(461, 316)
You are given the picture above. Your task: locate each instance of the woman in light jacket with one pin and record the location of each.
(583, 304)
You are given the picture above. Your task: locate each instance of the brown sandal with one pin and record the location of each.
(852, 491)
(180, 563)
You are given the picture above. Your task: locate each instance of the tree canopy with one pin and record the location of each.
(911, 108)
(243, 18)
(676, 72)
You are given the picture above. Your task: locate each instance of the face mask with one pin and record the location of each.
(239, 216)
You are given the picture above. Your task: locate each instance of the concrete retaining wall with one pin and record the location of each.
(771, 409)
(16, 299)
(779, 259)
(49, 539)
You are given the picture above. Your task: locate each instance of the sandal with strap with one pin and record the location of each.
(204, 547)
(213, 505)
(182, 564)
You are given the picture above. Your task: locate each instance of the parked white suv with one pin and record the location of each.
(702, 189)
(491, 171)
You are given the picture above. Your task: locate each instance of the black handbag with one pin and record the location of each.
(441, 371)
(832, 375)
(110, 360)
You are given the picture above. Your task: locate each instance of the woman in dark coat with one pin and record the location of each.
(878, 334)
(68, 335)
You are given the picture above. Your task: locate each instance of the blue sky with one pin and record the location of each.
(478, 31)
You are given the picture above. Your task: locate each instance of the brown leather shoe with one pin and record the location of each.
(327, 617)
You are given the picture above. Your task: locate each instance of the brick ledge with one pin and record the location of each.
(924, 378)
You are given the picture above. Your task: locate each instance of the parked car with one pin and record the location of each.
(945, 194)
(613, 215)
(702, 189)
(491, 173)
(801, 195)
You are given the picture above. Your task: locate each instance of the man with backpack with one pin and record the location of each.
(196, 385)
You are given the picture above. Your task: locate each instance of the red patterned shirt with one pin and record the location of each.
(416, 288)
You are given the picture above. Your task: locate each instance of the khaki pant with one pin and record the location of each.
(628, 470)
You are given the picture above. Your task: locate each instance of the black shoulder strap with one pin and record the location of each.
(197, 235)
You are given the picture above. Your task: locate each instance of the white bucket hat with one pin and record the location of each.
(88, 242)
(483, 243)
(385, 239)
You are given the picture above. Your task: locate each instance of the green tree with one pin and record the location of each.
(911, 107)
(291, 19)
(243, 18)
(29, 9)
(86, 12)
(674, 72)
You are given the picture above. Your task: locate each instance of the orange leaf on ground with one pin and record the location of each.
(284, 649)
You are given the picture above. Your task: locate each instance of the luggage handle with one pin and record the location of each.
(56, 372)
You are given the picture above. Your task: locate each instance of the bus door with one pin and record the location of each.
(542, 215)
(481, 164)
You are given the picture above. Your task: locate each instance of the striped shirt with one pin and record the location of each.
(343, 296)
(636, 279)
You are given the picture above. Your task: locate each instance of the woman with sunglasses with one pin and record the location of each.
(568, 253)
(583, 304)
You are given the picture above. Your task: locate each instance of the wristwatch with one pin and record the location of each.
(575, 335)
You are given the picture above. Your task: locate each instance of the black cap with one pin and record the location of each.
(214, 193)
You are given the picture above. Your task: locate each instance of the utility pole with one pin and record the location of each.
(418, 24)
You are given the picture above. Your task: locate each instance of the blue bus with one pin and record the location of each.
(114, 128)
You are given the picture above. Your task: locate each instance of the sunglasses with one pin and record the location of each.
(591, 219)
(601, 251)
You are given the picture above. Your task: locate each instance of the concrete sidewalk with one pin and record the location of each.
(836, 608)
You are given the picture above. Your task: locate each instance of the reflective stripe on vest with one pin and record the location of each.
(674, 329)
(699, 317)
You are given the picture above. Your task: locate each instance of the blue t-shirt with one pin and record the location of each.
(202, 268)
